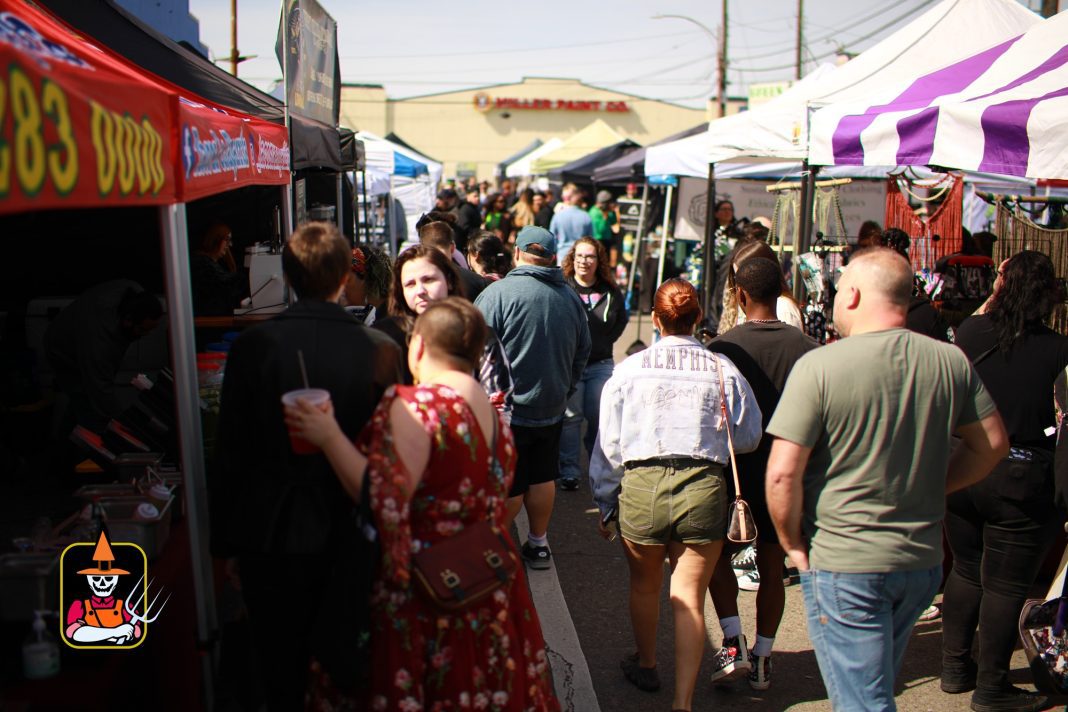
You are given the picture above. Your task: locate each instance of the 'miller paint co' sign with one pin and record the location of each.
(484, 102)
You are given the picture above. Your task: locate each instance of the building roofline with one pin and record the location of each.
(523, 80)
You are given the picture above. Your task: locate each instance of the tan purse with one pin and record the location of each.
(741, 527)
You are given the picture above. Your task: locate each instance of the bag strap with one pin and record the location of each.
(982, 357)
(727, 424)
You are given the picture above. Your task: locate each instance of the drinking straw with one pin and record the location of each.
(303, 369)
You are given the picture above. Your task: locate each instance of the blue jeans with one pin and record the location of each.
(860, 625)
(584, 404)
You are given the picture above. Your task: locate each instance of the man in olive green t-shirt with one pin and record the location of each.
(859, 470)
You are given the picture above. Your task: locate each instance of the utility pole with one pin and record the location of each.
(721, 94)
(234, 56)
(800, 37)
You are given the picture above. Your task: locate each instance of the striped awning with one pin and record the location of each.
(1003, 110)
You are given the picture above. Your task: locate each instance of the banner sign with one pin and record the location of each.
(860, 200)
(307, 36)
(630, 213)
(221, 151)
(77, 127)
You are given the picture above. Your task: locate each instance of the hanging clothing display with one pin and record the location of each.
(786, 218)
(1017, 232)
(939, 233)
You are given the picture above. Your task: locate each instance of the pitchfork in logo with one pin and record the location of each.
(151, 612)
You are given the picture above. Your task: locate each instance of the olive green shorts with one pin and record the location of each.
(673, 499)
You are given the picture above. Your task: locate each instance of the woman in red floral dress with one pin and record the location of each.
(427, 453)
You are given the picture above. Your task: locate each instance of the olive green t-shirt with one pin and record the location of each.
(878, 410)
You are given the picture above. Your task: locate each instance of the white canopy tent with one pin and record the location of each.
(521, 168)
(416, 194)
(949, 32)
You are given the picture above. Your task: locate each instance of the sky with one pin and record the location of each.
(416, 47)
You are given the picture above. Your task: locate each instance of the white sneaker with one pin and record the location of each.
(749, 581)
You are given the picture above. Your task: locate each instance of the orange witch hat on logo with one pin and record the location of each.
(103, 558)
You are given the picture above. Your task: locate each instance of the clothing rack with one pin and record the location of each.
(830, 182)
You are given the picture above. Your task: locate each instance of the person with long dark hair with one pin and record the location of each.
(587, 272)
(423, 275)
(1000, 529)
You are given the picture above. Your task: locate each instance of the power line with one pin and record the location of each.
(515, 51)
(837, 31)
(844, 46)
(529, 67)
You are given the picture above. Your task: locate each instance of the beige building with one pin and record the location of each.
(475, 129)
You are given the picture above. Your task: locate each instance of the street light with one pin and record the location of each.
(719, 42)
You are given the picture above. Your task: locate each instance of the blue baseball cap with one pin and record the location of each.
(534, 235)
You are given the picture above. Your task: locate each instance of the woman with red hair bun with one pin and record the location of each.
(658, 466)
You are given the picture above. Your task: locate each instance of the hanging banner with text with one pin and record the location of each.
(77, 127)
(860, 200)
(307, 37)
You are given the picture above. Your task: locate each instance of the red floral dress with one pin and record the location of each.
(491, 657)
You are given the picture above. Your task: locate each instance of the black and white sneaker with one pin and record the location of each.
(569, 484)
(537, 557)
(760, 675)
(731, 662)
(749, 580)
(744, 560)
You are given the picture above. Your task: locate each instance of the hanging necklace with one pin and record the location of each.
(762, 321)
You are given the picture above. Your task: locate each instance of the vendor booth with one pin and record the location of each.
(97, 157)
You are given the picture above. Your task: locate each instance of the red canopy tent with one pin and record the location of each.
(81, 127)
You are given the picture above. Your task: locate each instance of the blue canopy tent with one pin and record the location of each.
(408, 167)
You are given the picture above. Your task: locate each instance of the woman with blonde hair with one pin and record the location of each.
(658, 467)
(786, 308)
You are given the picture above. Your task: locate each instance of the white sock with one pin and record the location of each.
(731, 625)
(542, 540)
(763, 646)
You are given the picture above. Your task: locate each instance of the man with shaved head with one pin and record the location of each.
(858, 473)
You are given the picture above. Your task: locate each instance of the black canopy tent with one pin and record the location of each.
(581, 170)
(631, 167)
(314, 144)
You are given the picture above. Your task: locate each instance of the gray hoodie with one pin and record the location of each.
(542, 325)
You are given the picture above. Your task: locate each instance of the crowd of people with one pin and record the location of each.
(504, 212)
(468, 376)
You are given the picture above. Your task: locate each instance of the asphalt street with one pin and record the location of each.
(582, 602)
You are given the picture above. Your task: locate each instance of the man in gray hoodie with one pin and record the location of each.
(542, 326)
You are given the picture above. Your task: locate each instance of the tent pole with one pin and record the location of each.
(392, 223)
(804, 237)
(340, 205)
(366, 222)
(287, 211)
(663, 237)
(175, 249)
(711, 266)
(636, 257)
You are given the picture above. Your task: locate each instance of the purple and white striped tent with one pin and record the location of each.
(1003, 110)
